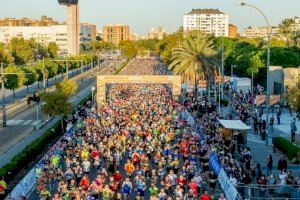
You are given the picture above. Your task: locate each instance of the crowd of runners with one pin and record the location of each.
(137, 145)
(145, 66)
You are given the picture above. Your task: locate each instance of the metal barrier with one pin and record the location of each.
(255, 191)
(27, 184)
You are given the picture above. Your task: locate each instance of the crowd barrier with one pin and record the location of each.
(229, 189)
(28, 183)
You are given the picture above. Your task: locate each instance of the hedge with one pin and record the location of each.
(287, 148)
(30, 153)
(28, 157)
(121, 68)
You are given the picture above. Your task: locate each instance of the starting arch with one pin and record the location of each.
(102, 80)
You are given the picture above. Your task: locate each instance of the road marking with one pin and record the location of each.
(16, 122)
(27, 122)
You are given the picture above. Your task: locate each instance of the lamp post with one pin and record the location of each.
(3, 96)
(268, 64)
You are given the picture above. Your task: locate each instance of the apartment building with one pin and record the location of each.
(209, 21)
(116, 33)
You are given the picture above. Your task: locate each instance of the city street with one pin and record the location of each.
(22, 124)
(22, 91)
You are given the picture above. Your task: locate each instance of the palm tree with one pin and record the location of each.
(194, 58)
(285, 29)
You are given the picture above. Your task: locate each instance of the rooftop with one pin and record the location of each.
(205, 11)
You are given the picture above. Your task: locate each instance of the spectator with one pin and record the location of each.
(269, 164)
(282, 164)
(205, 196)
(3, 187)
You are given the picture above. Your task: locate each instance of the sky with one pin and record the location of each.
(142, 15)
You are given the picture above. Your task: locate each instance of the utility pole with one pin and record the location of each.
(268, 65)
(3, 96)
(222, 84)
(44, 77)
(67, 69)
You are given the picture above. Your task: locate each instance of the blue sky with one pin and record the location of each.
(141, 15)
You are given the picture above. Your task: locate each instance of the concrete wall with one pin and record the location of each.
(276, 75)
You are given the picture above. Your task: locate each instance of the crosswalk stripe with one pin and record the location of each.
(27, 122)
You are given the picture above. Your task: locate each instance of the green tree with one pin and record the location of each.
(285, 29)
(194, 59)
(52, 68)
(293, 97)
(5, 56)
(296, 38)
(22, 50)
(31, 76)
(56, 103)
(42, 71)
(165, 46)
(52, 50)
(101, 45)
(66, 87)
(129, 49)
(14, 80)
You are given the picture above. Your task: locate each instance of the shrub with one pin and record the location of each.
(30, 153)
(287, 148)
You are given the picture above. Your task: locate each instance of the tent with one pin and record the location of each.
(234, 124)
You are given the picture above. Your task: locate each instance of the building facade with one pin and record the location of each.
(232, 31)
(73, 29)
(209, 21)
(88, 32)
(45, 35)
(116, 33)
(261, 32)
(44, 21)
(157, 33)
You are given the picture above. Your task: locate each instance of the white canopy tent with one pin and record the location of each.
(234, 124)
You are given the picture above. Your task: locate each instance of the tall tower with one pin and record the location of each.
(72, 25)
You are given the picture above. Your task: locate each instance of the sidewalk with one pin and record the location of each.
(283, 129)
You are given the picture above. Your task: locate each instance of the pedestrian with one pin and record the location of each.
(3, 187)
(269, 165)
(263, 130)
(282, 164)
(278, 116)
(293, 130)
(272, 122)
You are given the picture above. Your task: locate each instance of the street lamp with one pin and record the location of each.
(3, 96)
(268, 63)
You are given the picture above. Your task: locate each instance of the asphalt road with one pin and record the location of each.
(22, 92)
(22, 124)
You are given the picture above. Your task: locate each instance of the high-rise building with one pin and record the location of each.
(116, 33)
(232, 31)
(157, 33)
(44, 21)
(72, 25)
(209, 21)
